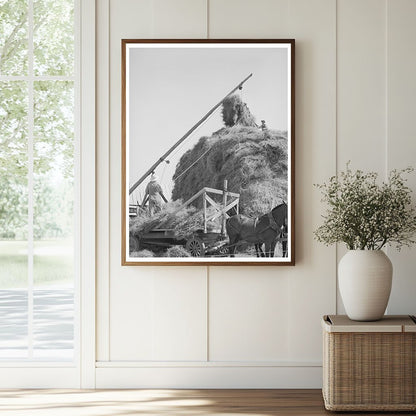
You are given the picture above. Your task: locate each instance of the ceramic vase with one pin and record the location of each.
(364, 278)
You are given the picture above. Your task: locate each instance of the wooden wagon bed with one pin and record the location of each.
(200, 242)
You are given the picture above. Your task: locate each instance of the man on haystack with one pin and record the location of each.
(154, 194)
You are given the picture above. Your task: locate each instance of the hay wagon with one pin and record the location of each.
(201, 242)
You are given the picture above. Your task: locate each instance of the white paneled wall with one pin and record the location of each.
(361, 88)
(254, 326)
(361, 84)
(401, 131)
(162, 316)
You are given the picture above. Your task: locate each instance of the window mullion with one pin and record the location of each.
(38, 78)
(30, 178)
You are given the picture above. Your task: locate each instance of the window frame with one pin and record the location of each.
(81, 371)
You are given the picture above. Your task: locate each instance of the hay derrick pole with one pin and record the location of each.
(204, 207)
(184, 137)
(224, 204)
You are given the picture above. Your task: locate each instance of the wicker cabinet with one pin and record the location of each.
(369, 366)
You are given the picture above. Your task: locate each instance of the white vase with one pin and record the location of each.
(364, 278)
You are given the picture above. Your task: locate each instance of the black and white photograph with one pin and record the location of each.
(208, 152)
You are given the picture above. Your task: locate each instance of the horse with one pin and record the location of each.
(261, 230)
(283, 237)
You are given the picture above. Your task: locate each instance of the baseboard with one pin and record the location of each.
(209, 377)
(39, 378)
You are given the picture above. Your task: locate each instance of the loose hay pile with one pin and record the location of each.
(177, 251)
(183, 221)
(142, 253)
(167, 218)
(236, 112)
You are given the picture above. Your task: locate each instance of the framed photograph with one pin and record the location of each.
(208, 158)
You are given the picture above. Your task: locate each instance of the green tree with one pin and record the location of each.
(53, 117)
(53, 37)
(13, 209)
(13, 129)
(13, 37)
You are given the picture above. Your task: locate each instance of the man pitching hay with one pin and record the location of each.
(154, 194)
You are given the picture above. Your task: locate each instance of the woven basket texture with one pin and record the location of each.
(369, 371)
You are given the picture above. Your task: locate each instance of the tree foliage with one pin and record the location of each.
(53, 118)
(13, 209)
(54, 127)
(53, 37)
(13, 37)
(13, 129)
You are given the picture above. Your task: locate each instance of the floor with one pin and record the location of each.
(164, 402)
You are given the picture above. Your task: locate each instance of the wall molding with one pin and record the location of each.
(103, 179)
(45, 376)
(204, 364)
(87, 194)
(210, 377)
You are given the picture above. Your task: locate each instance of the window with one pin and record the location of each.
(38, 185)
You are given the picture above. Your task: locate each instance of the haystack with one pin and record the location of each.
(254, 162)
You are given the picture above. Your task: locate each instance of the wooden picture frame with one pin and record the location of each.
(208, 152)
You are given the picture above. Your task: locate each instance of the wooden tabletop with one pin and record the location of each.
(390, 323)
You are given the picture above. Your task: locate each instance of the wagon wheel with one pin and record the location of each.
(196, 247)
(224, 251)
(134, 244)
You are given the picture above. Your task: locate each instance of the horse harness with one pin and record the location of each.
(272, 224)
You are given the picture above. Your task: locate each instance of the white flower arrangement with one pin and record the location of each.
(365, 215)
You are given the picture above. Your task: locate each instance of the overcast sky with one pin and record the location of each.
(170, 89)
